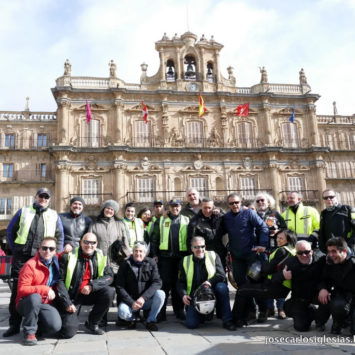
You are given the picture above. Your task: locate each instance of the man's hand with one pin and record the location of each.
(51, 294)
(287, 273)
(186, 299)
(207, 283)
(67, 248)
(259, 249)
(324, 296)
(216, 211)
(71, 309)
(86, 290)
(156, 259)
(140, 301)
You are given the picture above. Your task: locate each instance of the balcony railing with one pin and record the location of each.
(340, 145)
(327, 119)
(93, 199)
(27, 115)
(91, 142)
(309, 196)
(219, 196)
(17, 143)
(30, 176)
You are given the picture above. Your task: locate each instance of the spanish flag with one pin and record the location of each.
(201, 106)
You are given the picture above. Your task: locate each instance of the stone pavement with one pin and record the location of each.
(173, 338)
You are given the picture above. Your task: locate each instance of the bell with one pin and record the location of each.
(170, 71)
(209, 71)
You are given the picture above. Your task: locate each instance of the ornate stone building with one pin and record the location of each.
(117, 155)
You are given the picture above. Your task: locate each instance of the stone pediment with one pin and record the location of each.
(190, 109)
(93, 106)
(139, 108)
(288, 111)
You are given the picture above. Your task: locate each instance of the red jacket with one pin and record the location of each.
(33, 279)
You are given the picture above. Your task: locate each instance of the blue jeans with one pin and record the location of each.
(194, 318)
(154, 304)
(279, 303)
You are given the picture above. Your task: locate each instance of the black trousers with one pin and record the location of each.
(304, 312)
(169, 269)
(100, 299)
(17, 262)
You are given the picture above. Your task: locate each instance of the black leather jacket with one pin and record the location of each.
(74, 228)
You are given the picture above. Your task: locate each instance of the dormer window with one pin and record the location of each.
(190, 68)
(170, 71)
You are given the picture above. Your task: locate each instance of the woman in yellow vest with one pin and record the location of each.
(270, 285)
(134, 226)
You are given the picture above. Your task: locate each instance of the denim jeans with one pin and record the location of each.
(154, 304)
(279, 303)
(194, 318)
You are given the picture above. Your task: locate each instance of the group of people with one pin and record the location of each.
(63, 261)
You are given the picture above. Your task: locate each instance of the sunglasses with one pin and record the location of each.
(46, 197)
(48, 248)
(305, 252)
(328, 197)
(89, 242)
(233, 203)
(261, 200)
(199, 246)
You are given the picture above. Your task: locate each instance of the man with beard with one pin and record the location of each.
(75, 223)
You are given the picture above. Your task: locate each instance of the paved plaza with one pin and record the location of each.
(173, 338)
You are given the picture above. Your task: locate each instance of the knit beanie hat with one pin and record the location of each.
(112, 204)
(77, 198)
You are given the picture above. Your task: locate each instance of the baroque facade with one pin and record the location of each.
(117, 155)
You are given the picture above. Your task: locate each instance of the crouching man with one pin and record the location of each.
(35, 293)
(203, 267)
(85, 279)
(138, 286)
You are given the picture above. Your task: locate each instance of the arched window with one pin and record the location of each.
(244, 134)
(290, 137)
(199, 184)
(210, 74)
(145, 187)
(248, 186)
(190, 68)
(91, 134)
(194, 133)
(170, 71)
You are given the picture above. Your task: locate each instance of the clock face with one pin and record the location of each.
(192, 87)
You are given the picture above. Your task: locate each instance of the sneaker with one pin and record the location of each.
(94, 328)
(262, 317)
(239, 323)
(281, 314)
(131, 325)
(30, 339)
(229, 325)
(11, 331)
(152, 326)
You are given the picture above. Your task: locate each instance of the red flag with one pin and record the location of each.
(88, 112)
(242, 110)
(145, 112)
(201, 106)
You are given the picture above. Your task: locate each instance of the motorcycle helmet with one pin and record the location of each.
(204, 299)
(254, 272)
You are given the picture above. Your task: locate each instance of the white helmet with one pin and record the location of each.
(204, 299)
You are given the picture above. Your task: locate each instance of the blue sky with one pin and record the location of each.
(36, 36)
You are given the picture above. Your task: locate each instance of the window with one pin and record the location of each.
(91, 134)
(43, 170)
(194, 132)
(244, 134)
(199, 184)
(42, 140)
(190, 67)
(142, 133)
(6, 206)
(170, 71)
(290, 138)
(10, 140)
(145, 189)
(247, 185)
(331, 169)
(8, 170)
(209, 76)
(90, 190)
(295, 183)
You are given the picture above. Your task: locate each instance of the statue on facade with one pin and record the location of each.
(335, 110)
(67, 68)
(112, 66)
(175, 137)
(303, 79)
(215, 138)
(264, 78)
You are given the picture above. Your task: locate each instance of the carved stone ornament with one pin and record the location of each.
(91, 163)
(247, 163)
(145, 163)
(198, 164)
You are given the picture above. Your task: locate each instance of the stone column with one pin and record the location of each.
(119, 188)
(275, 181)
(61, 192)
(313, 128)
(268, 124)
(63, 121)
(320, 173)
(118, 118)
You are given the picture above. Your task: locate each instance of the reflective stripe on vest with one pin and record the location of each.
(165, 230)
(73, 259)
(27, 214)
(135, 230)
(292, 252)
(188, 264)
(294, 222)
